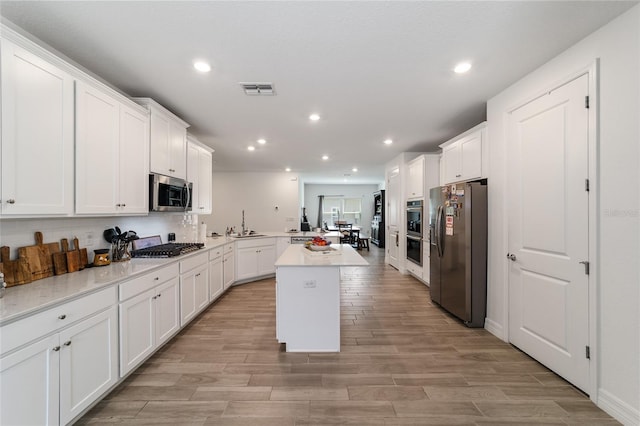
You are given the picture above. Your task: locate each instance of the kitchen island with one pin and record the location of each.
(308, 297)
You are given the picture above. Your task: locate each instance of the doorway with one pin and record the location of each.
(548, 229)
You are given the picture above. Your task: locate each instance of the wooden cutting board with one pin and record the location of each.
(38, 257)
(73, 258)
(82, 253)
(60, 258)
(15, 272)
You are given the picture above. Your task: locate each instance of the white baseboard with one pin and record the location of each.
(618, 409)
(495, 329)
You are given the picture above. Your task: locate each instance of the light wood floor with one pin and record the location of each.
(403, 362)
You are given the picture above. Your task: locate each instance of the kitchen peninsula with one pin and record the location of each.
(308, 297)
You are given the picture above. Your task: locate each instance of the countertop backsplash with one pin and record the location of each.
(20, 232)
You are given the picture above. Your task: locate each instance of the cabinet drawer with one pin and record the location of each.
(228, 248)
(148, 281)
(216, 252)
(193, 262)
(257, 242)
(23, 331)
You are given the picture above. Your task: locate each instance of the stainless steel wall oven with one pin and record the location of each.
(415, 216)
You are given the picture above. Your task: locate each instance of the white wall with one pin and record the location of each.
(618, 353)
(365, 192)
(257, 194)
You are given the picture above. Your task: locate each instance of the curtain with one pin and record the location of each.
(320, 200)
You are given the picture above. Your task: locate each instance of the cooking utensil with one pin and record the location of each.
(110, 235)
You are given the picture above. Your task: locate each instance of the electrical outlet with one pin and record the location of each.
(89, 239)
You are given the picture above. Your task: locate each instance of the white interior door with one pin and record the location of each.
(548, 230)
(393, 218)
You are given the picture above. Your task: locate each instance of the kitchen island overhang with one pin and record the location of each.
(308, 297)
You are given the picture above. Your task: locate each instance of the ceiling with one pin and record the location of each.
(371, 70)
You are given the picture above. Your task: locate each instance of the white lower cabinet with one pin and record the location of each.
(88, 362)
(255, 258)
(283, 243)
(194, 287)
(216, 273)
(149, 315)
(51, 380)
(30, 384)
(229, 267)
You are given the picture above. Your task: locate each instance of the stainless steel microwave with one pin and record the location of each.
(169, 194)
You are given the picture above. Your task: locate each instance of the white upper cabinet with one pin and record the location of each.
(415, 181)
(37, 135)
(133, 162)
(462, 157)
(168, 149)
(111, 154)
(200, 173)
(97, 117)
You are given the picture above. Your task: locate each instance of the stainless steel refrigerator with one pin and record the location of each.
(458, 250)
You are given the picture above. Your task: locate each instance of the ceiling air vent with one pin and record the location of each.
(258, 89)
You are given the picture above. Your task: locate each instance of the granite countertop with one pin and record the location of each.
(24, 300)
(339, 255)
(20, 301)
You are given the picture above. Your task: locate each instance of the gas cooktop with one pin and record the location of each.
(153, 247)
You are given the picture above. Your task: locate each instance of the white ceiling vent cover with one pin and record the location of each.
(258, 89)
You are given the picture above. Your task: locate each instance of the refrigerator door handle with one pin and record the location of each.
(439, 231)
(436, 232)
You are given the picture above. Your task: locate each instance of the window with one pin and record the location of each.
(347, 209)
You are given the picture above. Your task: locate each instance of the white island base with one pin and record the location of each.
(308, 297)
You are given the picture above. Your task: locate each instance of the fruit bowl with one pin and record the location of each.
(313, 247)
(318, 244)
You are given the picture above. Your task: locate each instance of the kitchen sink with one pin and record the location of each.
(250, 236)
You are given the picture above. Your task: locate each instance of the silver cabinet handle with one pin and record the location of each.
(458, 175)
(156, 279)
(56, 348)
(511, 257)
(118, 205)
(11, 201)
(63, 316)
(67, 343)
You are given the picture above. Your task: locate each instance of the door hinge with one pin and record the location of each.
(586, 101)
(586, 266)
(586, 185)
(587, 352)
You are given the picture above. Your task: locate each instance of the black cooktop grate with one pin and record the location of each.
(167, 250)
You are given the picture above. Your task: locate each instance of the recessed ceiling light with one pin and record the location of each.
(462, 67)
(325, 157)
(388, 141)
(202, 66)
(288, 169)
(262, 141)
(314, 117)
(251, 148)
(355, 169)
